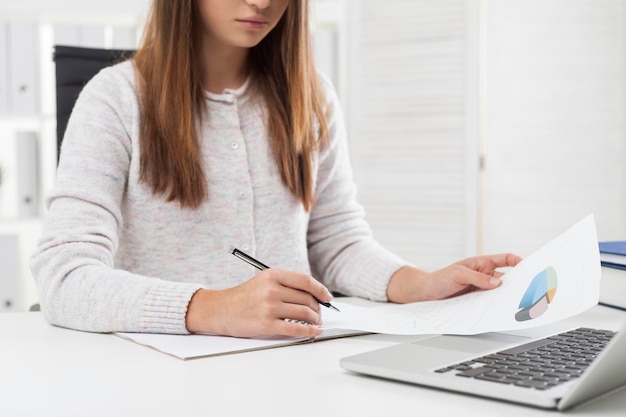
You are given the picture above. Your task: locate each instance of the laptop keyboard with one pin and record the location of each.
(540, 364)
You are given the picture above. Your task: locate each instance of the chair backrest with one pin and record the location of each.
(75, 66)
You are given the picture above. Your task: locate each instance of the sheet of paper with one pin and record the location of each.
(560, 280)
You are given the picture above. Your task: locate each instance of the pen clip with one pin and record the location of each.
(249, 259)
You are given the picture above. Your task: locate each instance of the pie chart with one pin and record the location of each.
(538, 295)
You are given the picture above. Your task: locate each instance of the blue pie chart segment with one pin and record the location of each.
(538, 295)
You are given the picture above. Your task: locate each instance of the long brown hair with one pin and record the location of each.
(172, 100)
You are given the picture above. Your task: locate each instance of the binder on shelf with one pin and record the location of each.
(23, 64)
(65, 34)
(27, 147)
(92, 36)
(4, 56)
(124, 37)
(9, 284)
(613, 254)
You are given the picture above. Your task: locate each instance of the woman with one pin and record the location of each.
(218, 133)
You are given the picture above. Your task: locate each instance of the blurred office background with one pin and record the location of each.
(475, 126)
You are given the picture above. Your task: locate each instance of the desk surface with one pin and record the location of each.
(50, 371)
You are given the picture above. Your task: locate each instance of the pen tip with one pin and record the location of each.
(232, 249)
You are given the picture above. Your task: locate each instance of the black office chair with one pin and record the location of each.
(75, 66)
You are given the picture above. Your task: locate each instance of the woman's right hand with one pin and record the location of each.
(259, 307)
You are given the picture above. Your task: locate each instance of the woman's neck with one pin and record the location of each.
(224, 68)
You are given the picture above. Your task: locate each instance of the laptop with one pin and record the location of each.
(556, 370)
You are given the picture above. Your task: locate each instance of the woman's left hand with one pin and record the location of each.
(410, 284)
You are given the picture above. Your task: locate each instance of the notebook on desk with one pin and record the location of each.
(557, 371)
(194, 346)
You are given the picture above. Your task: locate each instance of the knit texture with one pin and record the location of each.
(116, 257)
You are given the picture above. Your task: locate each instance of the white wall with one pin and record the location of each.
(489, 125)
(554, 106)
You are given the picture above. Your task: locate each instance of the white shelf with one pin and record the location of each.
(27, 232)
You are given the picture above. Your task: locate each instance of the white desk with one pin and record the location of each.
(49, 371)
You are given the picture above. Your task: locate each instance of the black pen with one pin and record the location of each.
(261, 266)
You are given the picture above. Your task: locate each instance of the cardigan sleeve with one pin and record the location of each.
(342, 251)
(73, 264)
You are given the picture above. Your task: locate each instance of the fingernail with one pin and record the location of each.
(494, 281)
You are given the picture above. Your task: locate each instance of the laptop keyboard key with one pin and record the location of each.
(475, 372)
(526, 347)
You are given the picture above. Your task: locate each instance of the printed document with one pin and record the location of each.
(558, 281)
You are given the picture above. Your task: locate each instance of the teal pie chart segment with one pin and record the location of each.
(538, 295)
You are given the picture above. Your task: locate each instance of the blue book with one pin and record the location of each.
(613, 254)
